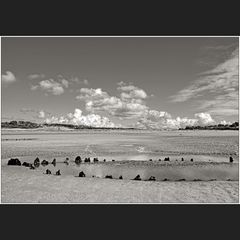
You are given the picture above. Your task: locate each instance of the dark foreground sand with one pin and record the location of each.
(27, 186)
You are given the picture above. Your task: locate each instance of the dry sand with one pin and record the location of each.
(30, 186)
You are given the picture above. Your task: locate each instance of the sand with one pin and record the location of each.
(22, 185)
(30, 186)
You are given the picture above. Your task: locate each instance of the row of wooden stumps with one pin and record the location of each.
(78, 160)
(167, 159)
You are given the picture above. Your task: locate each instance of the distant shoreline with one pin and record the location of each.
(19, 125)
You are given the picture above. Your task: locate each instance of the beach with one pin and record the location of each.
(210, 178)
(26, 186)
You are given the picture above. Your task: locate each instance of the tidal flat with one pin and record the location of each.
(134, 152)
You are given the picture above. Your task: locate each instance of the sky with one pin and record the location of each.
(145, 82)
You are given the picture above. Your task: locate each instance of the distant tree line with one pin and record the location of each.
(233, 126)
(20, 124)
(31, 125)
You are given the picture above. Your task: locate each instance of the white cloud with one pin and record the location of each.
(130, 91)
(77, 118)
(41, 114)
(204, 119)
(8, 77)
(85, 81)
(65, 83)
(219, 84)
(130, 104)
(51, 86)
(162, 120)
(225, 122)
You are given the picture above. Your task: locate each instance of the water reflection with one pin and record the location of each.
(150, 172)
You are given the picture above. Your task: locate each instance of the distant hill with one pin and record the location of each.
(31, 125)
(233, 126)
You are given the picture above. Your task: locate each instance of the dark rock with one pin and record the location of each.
(165, 179)
(44, 162)
(191, 160)
(182, 159)
(213, 179)
(54, 162)
(108, 176)
(152, 178)
(58, 173)
(159, 160)
(78, 160)
(87, 160)
(66, 161)
(137, 178)
(14, 161)
(113, 160)
(104, 160)
(121, 177)
(167, 159)
(25, 164)
(150, 160)
(197, 179)
(48, 171)
(82, 174)
(32, 167)
(95, 159)
(181, 179)
(230, 159)
(36, 162)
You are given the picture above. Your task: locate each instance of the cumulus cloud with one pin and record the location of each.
(55, 86)
(131, 92)
(153, 119)
(65, 83)
(130, 104)
(51, 86)
(77, 118)
(225, 122)
(41, 114)
(9, 77)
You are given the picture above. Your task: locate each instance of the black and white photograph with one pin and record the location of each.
(119, 119)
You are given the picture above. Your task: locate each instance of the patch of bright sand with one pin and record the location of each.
(31, 186)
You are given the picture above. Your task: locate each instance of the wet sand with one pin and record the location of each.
(29, 186)
(209, 149)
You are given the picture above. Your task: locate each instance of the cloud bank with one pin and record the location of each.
(77, 118)
(130, 103)
(162, 120)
